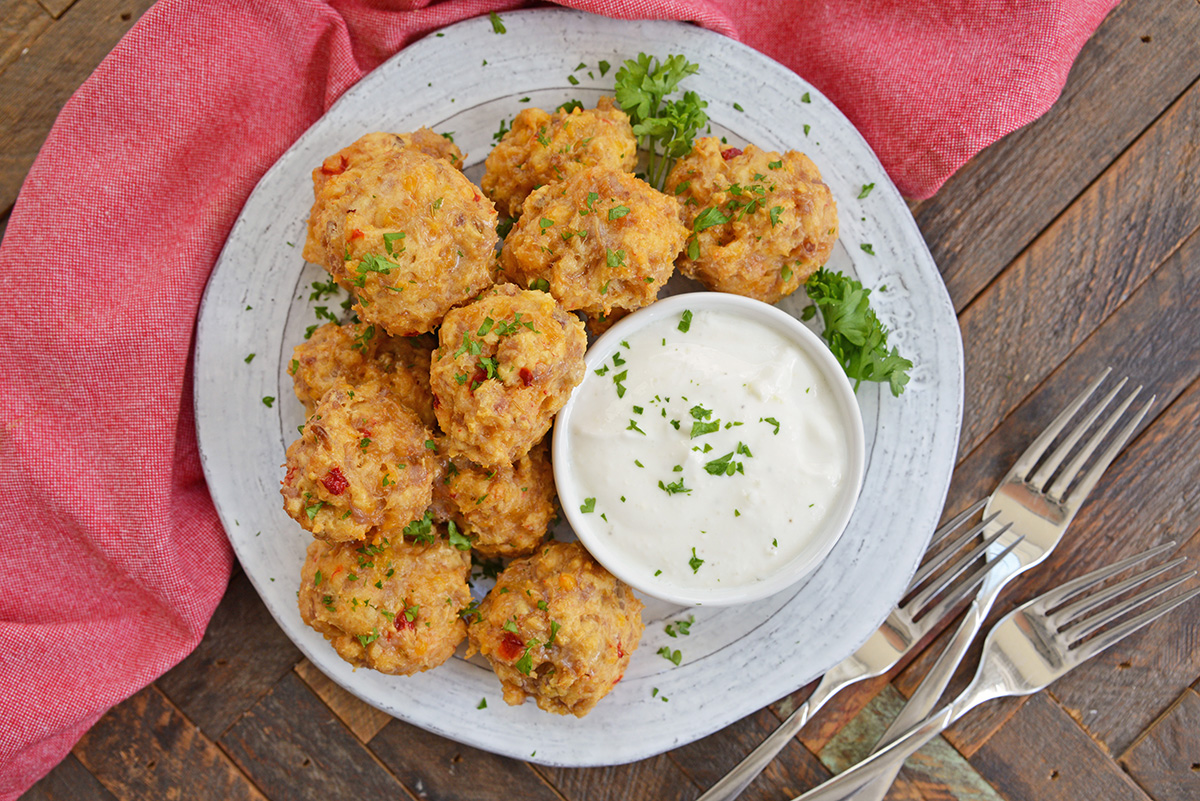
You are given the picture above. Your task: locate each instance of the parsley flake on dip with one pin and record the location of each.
(713, 452)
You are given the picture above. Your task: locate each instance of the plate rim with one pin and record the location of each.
(206, 317)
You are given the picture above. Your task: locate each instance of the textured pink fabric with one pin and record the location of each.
(111, 552)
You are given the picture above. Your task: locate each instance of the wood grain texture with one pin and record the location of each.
(1165, 761)
(1042, 755)
(438, 769)
(707, 760)
(658, 778)
(294, 747)
(35, 88)
(144, 748)
(361, 718)
(56, 8)
(243, 654)
(21, 22)
(70, 781)
(1143, 56)
(1081, 269)
(936, 771)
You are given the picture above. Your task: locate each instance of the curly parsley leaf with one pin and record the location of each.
(664, 128)
(855, 335)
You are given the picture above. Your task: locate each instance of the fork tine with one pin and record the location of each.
(1070, 589)
(955, 570)
(1083, 628)
(1114, 635)
(945, 554)
(1071, 612)
(1089, 479)
(1046, 470)
(960, 518)
(1034, 452)
(967, 587)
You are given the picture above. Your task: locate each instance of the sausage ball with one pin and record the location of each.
(362, 465)
(358, 354)
(506, 511)
(543, 148)
(504, 366)
(559, 627)
(599, 241)
(372, 147)
(761, 223)
(408, 234)
(392, 605)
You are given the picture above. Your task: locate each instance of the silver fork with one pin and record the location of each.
(1029, 649)
(902, 630)
(1038, 503)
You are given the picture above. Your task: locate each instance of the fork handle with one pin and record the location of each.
(930, 689)
(733, 783)
(885, 762)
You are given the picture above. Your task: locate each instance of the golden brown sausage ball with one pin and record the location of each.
(373, 146)
(559, 627)
(505, 364)
(392, 605)
(601, 240)
(408, 234)
(506, 511)
(542, 148)
(358, 354)
(761, 222)
(361, 466)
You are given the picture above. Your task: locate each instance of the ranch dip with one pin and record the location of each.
(707, 450)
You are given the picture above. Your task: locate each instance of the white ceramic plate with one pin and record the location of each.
(735, 660)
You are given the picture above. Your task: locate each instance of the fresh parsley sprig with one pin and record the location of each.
(664, 128)
(855, 335)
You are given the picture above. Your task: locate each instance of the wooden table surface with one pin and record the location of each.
(1070, 245)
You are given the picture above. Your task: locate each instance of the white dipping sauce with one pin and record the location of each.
(720, 459)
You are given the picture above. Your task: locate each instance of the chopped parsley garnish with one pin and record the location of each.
(866, 190)
(671, 656)
(268, 401)
(695, 562)
(497, 24)
(675, 487)
(681, 626)
(421, 530)
(617, 212)
(588, 505)
(685, 320)
(700, 428)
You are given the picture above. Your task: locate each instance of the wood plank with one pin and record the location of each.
(1135, 513)
(68, 781)
(1041, 755)
(21, 22)
(361, 718)
(1165, 761)
(1080, 271)
(144, 748)
(293, 747)
(36, 86)
(936, 771)
(1144, 55)
(436, 768)
(243, 654)
(706, 760)
(657, 777)
(56, 8)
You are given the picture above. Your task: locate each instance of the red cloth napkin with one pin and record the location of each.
(112, 554)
